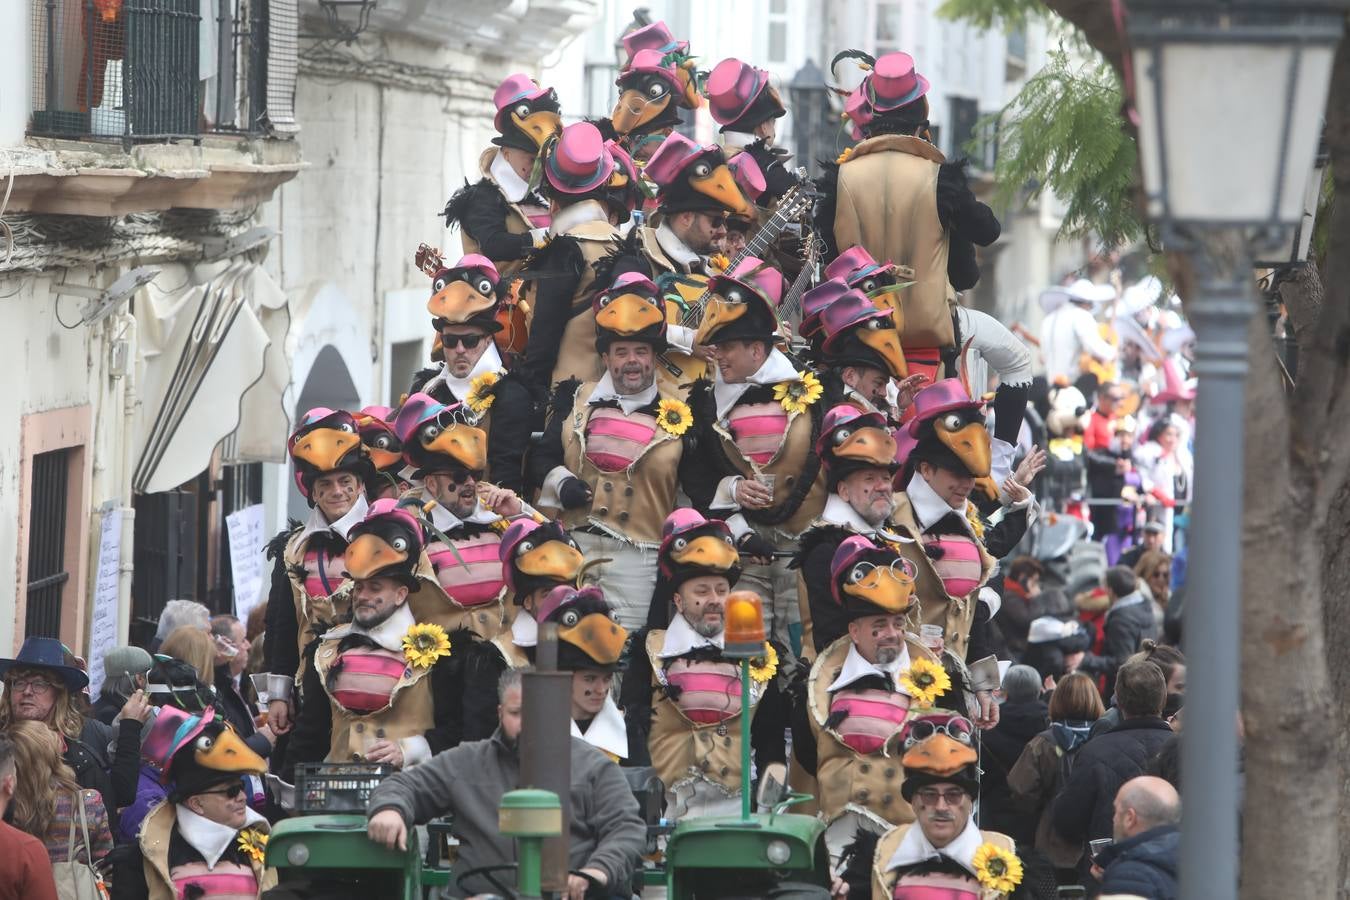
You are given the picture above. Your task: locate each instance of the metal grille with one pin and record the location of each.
(283, 65)
(47, 575)
(239, 486)
(165, 559)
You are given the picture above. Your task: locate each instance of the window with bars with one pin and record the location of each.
(47, 572)
(165, 558)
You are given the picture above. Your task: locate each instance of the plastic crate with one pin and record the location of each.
(337, 787)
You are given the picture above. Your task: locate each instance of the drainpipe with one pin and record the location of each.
(128, 554)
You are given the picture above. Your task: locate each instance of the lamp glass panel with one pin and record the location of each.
(1310, 104)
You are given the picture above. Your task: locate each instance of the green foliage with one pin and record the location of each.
(1008, 14)
(1064, 132)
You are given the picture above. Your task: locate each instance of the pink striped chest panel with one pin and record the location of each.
(362, 680)
(614, 440)
(758, 429)
(931, 891)
(227, 881)
(323, 572)
(710, 692)
(873, 716)
(959, 566)
(471, 573)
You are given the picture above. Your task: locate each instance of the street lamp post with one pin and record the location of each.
(1200, 68)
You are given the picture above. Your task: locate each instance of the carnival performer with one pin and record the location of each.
(744, 102)
(385, 479)
(860, 352)
(657, 80)
(536, 558)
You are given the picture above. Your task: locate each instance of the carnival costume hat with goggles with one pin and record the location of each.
(939, 750)
(867, 580)
(692, 546)
(744, 304)
(438, 438)
(630, 309)
(466, 294)
(949, 431)
(536, 555)
(527, 115)
(851, 440)
(589, 636)
(387, 543)
(658, 79)
(326, 442)
(693, 177)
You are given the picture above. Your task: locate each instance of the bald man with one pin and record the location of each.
(1143, 859)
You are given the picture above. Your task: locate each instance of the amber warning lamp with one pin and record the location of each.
(744, 636)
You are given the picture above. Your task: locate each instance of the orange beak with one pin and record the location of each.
(970, 443)
(370, 553)
(384, 459)
(940, 754)
(323, 448)
(886, 341)
(635, 109)
(457, 301)
(708, 551)
(628, 314)
(868, 445)
(552, 559)
(540, 126)
(717, 313)
(598, 636)
(229, 753)
(885, 588)
(720, 185)
(464, 443)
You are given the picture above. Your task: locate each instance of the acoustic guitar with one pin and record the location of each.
(513, 312)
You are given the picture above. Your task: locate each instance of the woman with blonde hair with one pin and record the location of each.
(195, 647)
(47, 800)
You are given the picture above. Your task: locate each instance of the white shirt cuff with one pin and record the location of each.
(739, 526)
(415, 750)
(681, 338)
(725, 498)
(548, 494)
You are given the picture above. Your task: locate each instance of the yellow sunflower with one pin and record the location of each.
(719, 262)
(424, 644)
(796, 396)
(253, 842)
(480, 392)
(674, 417)
(762, 668)
(976, 523)
(997, 869)
(925, 681)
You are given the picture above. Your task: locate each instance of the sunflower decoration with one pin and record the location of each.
(846, 155)
(796, 396)
(719, 262)
(253, 843)
(976, 523)
(480, 395)
(762, 668)
(925, 681)
(997, 869)
(674, 416)
(424, 644)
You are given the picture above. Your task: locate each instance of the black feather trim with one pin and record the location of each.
(627, 256)
(865, 57)
(934, 551)
(953, 189)
(815, 536)
(277, 545)
(857, 862)
(459, 204)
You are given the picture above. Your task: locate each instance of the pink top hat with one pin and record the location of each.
(514, 89)
(168, 731)
(849, 552)
(732, 87)
(377, 412)
(622, 161)
(848, 312)
(767, 282)
(817, 300)
(858, 111)
(838, 417)
(579, 162)
(477, 261)
(631, 281)
(894, 83)
(417, 409)
(855, 264)
(655, 36)
(749, 176)
(388, 508)
(940, 397)
(904, 446)
(651, 62)
(669, 160)
(682, 521)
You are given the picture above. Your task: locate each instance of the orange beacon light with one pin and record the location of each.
(744, 636)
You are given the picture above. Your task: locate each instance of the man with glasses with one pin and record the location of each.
(463, 306)
(697, 193)
(1100, 424)
(942, 853)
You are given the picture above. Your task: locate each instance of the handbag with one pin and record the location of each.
(77, 880)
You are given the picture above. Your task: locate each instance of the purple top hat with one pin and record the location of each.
(630, 281)
(652, 62)
(477, 261)
(732, 87)
(817, 300)
(578, 162)
(855, 264)
(655, 36)
(940, 397)
(623, 163)
(767, 282)
(511, 91)
(850, 551)
(848, 312)
(669, 160)
(858, 111)
(838, 417)
(749, 176)
(894, 83)
(566, 595)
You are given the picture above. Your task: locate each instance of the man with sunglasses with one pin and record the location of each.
(941, 852)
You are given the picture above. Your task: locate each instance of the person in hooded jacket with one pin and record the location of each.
(1044, 766)
(1022, 716)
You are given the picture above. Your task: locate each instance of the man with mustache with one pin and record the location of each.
(616, 450)
(681, 689)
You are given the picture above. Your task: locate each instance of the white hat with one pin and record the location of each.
(1052, 299)
(1048, 628)
(1141, 295)
(1084, 291)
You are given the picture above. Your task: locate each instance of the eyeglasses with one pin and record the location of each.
(931, 795)
(460, 476)
(719, 221)
(467, 341)
(37, 685)
(233, 792)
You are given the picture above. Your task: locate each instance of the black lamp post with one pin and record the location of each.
(813, 121)
(1203, 70)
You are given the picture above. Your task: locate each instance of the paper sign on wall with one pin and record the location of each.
(103, 630)
(247, 544)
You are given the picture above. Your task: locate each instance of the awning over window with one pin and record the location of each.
(212, 360)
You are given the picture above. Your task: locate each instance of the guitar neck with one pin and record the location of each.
(791, 305)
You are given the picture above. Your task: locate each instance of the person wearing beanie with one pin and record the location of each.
(685, 694)
(862, 690)
(332, 468)
(577, 172)
(503, 216)
(124, 671)
(616, 450)
(942, 852)
(462, 515)
(204, 841)
(385, 686)
(759, 417)
(465, 300)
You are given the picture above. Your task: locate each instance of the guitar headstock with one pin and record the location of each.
(429, 259)
(798, 200)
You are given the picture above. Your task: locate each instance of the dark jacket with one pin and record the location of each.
(468, 781)
(1144, 865)
(1128, 622)
(1018, 723)
(237, 711)
(1082, 812)
(107, 706)
(1039, 775)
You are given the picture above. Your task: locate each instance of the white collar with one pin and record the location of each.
(490, 361)
(915, 848)
(675, 248)
(211, 839)
(608, 731)
(837, 511)
(342, 527)
(681, 638)
(856, 668)
(524, 630)
(578, 214)
(388, 634)
(867, 405)
(604, 390)
(928, 507)
(513, 187)
(446, 521)
(777, 368)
